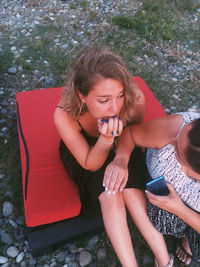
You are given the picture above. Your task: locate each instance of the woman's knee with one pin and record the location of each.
(134, 194)
(111, 201)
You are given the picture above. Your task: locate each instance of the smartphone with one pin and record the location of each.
(158, 186)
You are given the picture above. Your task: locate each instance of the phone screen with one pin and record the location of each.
(158, 186)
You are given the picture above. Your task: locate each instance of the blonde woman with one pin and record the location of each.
(99, 100)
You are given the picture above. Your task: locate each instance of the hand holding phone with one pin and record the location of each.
(158, 186)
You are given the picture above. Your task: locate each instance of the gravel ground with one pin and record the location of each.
(81, 24)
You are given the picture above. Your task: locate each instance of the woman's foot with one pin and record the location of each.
(183, 251)
(170, 263)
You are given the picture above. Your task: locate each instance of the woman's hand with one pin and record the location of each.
(110, 127)
(116, 176)
(171, 203)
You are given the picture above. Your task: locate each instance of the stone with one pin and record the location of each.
(93, 241)
(6, 238)
(101, 254)
(53, 264)
(11, 222)
(20, 257)
(2, 176)
(73, 264)
(12, 251)
(69, 258)
(7, 208)
(85, 258)
(3, 260)
(23, 264)
(12, 70)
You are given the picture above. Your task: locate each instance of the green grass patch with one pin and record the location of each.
(148, 25)
(84, 5)
(157, 19)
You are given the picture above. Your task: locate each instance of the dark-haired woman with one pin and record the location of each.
(173, 151)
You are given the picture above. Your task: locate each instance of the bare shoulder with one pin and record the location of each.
(171, 124)
(140, 98)
(62, 119)
(139, 107)
(158, 132)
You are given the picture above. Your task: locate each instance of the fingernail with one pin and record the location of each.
(120, 118)
(113, 192)
(109, 192)
(188, 261)
(103, 185)
(106, 189)
(121, 189)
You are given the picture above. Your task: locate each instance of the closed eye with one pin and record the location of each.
(103, 101)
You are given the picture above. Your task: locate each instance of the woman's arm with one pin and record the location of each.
(91, 158)
(154, 134)
(116, 173)
(173, 203)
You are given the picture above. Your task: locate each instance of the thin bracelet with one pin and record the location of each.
(108, 143)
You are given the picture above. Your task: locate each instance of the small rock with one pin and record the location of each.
(13, 48)
(73, 248)
(101, 254)
(3, 260)
(53, 264)
(167, 110)
(20, 68)
(6, 238)
(12, 70)
(2, 176)
(12, 251)
(176, 97)
(93, 241)
(23, 264)
(69, 258)
(85, 258)
(73, 264)
(4, 129)
(11, 222)
(20, 257)
(32, 261)
(7, 208)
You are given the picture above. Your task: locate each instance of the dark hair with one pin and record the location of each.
(193, 149)
(91, 65)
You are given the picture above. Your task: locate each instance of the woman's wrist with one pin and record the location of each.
(106, 140)
(121, 158)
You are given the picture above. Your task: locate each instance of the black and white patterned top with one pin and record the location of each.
(163, 162)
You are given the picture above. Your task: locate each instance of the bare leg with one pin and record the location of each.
(114, 217)
(135, 200)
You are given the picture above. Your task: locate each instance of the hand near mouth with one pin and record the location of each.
(111, 126)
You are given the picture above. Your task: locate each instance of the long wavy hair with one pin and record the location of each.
(91, 65)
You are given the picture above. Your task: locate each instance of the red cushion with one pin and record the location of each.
(49, 193)
(153, 108)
